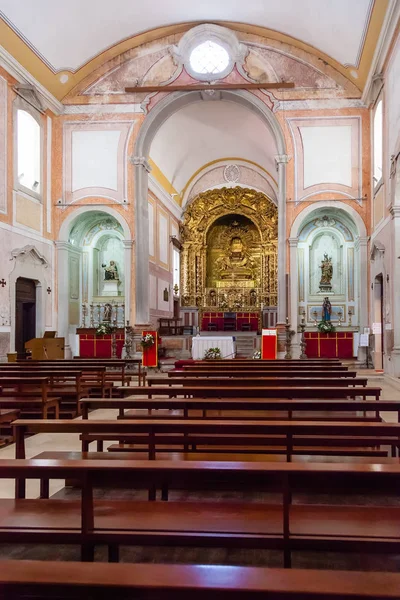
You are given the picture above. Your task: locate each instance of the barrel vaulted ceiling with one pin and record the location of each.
(60, 43)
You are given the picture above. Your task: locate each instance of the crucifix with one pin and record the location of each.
(3, 282)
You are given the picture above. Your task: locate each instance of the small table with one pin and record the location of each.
(202, 343)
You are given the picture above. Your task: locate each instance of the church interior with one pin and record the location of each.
(199, 323)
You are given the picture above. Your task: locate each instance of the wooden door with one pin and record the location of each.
(25, 312)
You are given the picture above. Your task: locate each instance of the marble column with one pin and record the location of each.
(395, 285)
(293, 311)
(142, 310)
(281, 162)
(361, 247)
(128, 245)
(63, 294)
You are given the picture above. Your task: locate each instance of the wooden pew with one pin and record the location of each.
(73, 580)
(200, 435)
(66, 384)
(224, 391)
(264, 368)
(224, 374)
(281, 525)
(247, 405)
(116, 369)
(6, 418)
(24, 393)
(92, 376)
(259, 380)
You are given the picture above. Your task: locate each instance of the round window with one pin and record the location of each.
(209, 58)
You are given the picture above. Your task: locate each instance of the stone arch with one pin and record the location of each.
(70, 220)
(170, 104)
(301, 218)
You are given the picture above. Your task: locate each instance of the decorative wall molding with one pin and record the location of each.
(156, 188)
(3, 142)
(101, 109)
(32, 251)
(140, 161)
(16, 70)
(377, 251)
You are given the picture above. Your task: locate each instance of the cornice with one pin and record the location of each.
(382, 48)
(16, 70)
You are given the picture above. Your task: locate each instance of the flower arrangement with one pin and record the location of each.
(212, 354)
(325, 327)
(147, 340)
(105, 329)
(257, 355)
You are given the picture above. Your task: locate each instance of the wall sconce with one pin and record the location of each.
(166, 295)
(387, 277)
(49, 290)
(3, 282)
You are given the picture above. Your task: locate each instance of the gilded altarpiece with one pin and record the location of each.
(229, 255)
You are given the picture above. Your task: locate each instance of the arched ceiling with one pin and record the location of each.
(207, 131)
(48, 37)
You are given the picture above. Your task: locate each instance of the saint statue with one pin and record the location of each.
(253, 298)
(107, 313)
(326, 270)
(110, 272)
(213, 298)
(237, 261)
(326, 310)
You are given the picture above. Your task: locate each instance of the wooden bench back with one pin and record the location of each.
(258, 380)
(166, 582)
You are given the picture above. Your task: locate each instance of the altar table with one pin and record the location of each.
(98, 346)
(329, 345)
(202, 343)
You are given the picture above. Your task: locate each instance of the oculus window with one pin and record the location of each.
(28, 152)
(209, 58)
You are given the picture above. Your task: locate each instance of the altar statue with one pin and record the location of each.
(237, 261)
(110, 272)
(326, 270)
(326, 310)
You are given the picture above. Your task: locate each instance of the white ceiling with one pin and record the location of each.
(68, 34)
(206, 131)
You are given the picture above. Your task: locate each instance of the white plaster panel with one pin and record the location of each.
(162, 304)
(327, 155)
(95, 159)
(153, 292)
(174, 229)
(392, 95)
(152, 250)
(163, 238)
(3, 145)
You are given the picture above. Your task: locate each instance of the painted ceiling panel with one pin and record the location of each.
(207, 131)
(68, 34)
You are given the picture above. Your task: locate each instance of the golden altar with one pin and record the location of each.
(229, 251)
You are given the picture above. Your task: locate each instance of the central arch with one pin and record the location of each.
(169, 105)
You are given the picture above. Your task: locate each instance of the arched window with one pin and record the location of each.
(209, 58)
(378, 144)
(28, 152)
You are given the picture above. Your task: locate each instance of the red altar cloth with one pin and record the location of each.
(329, 345)
(239, 319)
(150, 355)
(269, 344)
(98, 346)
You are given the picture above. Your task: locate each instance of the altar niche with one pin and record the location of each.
(229, 255)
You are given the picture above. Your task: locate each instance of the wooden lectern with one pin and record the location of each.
(46, 348)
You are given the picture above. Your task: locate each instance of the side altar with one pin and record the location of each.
(92, 345)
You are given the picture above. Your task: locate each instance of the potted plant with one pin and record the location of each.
(212, 354)
(325, 327)
(105, 329)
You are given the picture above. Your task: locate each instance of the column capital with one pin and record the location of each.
(282, 159)
(362, 242)
(128, 243)
(140, 161)
(395, 211)
(293, 242)
(64, 246)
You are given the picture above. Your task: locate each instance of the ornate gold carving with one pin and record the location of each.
(235, 256)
